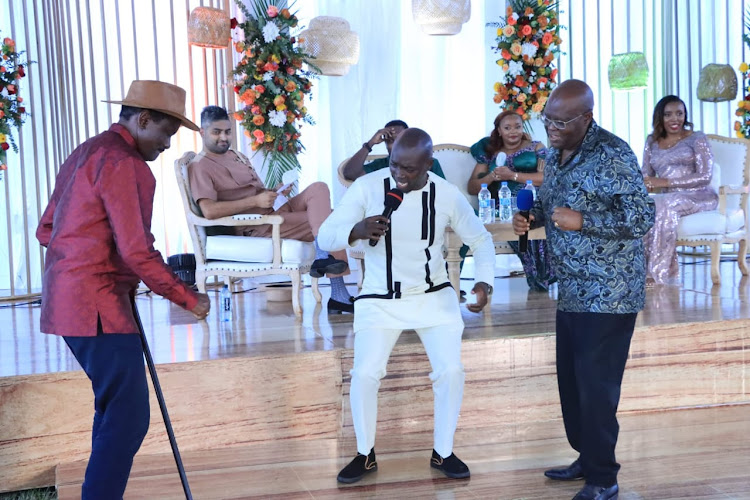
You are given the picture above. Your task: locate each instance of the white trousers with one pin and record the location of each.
(372, 348)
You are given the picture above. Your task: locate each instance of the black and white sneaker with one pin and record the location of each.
(452, 466)
(358, 468)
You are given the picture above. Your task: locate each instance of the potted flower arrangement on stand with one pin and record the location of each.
(271, 85)
(12, 110)
(528, 42)
(742, 125)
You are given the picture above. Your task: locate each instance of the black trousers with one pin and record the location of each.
(592, 349)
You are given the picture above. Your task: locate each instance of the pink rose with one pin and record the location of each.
(272, 11)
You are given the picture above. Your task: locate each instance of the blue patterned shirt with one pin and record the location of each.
(602, 267)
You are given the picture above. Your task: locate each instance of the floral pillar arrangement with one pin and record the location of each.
(528, 41)
(12, 111)
(742, 126)
(271, 85)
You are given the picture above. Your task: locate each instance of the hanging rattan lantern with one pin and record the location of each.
(441, 17)
(333, 45)
(628, 71)
(209, 27)
(717, 83)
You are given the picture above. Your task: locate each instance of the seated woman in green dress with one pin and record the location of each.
(524, 161)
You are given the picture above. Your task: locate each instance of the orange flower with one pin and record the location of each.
(519, 82)
(238, 116)
(239, 47)
(248, 134)
(248, 97)
(547, 38)
(259, 136)
(516, 49)
(497, 99)
(290, 86)
(506, 55)
(255, 110)
(526, 30)
(519, 111)
(736, 125)
(258, 120)
(259, 89)
(508, 11)
(285, 13)
(537, 108)
(553, 74)
(521, 97)
(542, 22)
(278, 100)
(511, 20)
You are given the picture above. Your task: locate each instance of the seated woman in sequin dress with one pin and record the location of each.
(524, 161)
(678, 162)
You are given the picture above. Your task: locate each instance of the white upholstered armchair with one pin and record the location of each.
(243, 256)
(729, 222)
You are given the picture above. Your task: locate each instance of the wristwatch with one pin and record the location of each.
(489, 289)
(367, 147)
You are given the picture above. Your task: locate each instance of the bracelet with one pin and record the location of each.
(367, 147)
(515, 177)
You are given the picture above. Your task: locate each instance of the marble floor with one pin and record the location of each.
(261, 327)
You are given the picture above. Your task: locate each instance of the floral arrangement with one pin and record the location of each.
(12, 111)
(742, 126)
(271, 85)
(528, 41)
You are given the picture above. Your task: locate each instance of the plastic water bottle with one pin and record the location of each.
(506, 213)
(486, 213)
(530, 187)
(225, 304)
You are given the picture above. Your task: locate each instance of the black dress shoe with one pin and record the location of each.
(592, 492)
(329, 265)
(452, 466)
(358, 468)
(336, 307)
(573, 472)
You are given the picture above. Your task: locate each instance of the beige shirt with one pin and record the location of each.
(227, 177)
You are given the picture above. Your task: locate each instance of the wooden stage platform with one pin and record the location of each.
(260, 406)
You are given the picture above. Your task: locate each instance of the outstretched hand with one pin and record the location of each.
(481, 290)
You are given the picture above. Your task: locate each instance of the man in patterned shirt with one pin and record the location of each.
(595, 209)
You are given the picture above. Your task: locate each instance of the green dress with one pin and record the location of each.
(536, 260)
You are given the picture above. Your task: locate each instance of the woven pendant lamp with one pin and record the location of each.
(209, 28)
(716, 83)
(628, 71)
(441, 17)
(333, 45)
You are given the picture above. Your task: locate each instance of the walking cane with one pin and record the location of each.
(162, 405)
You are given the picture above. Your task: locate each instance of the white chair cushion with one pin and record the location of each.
(256, 249)
(457, 166)
(716, 178)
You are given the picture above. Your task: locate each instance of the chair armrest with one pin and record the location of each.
(734, 190)
(236, 220)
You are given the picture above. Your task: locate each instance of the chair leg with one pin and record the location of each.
(361, 277)
(741, 256)
(715, 260)
(200, 280)
(316, 290)
(296, 279)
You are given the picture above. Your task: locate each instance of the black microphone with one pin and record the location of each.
(393, 199)
(524, 201)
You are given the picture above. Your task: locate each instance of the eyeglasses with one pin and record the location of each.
(559, 124)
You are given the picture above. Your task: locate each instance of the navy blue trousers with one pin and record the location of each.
(114, 363)
(592, 349)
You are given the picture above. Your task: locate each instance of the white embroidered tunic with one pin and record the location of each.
(406, 282)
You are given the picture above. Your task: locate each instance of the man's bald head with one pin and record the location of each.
(411, 159)
(576, 93)
(568, 114)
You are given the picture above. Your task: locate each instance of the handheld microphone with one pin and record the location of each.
(524, 201)
(393, 199)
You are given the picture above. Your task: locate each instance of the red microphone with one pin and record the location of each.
(393, 199)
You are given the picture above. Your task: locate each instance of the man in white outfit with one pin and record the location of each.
(407, 287)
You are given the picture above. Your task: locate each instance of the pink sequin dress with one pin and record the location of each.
(688, 165)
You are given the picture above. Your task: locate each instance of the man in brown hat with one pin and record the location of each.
(97, 230)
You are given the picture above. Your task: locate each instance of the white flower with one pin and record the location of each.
(515, 68)
(515, 16)
(268, 75)
(277, 118)
(528, 49)
(270, 31)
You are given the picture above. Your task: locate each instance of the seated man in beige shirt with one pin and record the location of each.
(224, 183)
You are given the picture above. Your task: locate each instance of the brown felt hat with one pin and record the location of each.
(158, 96)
